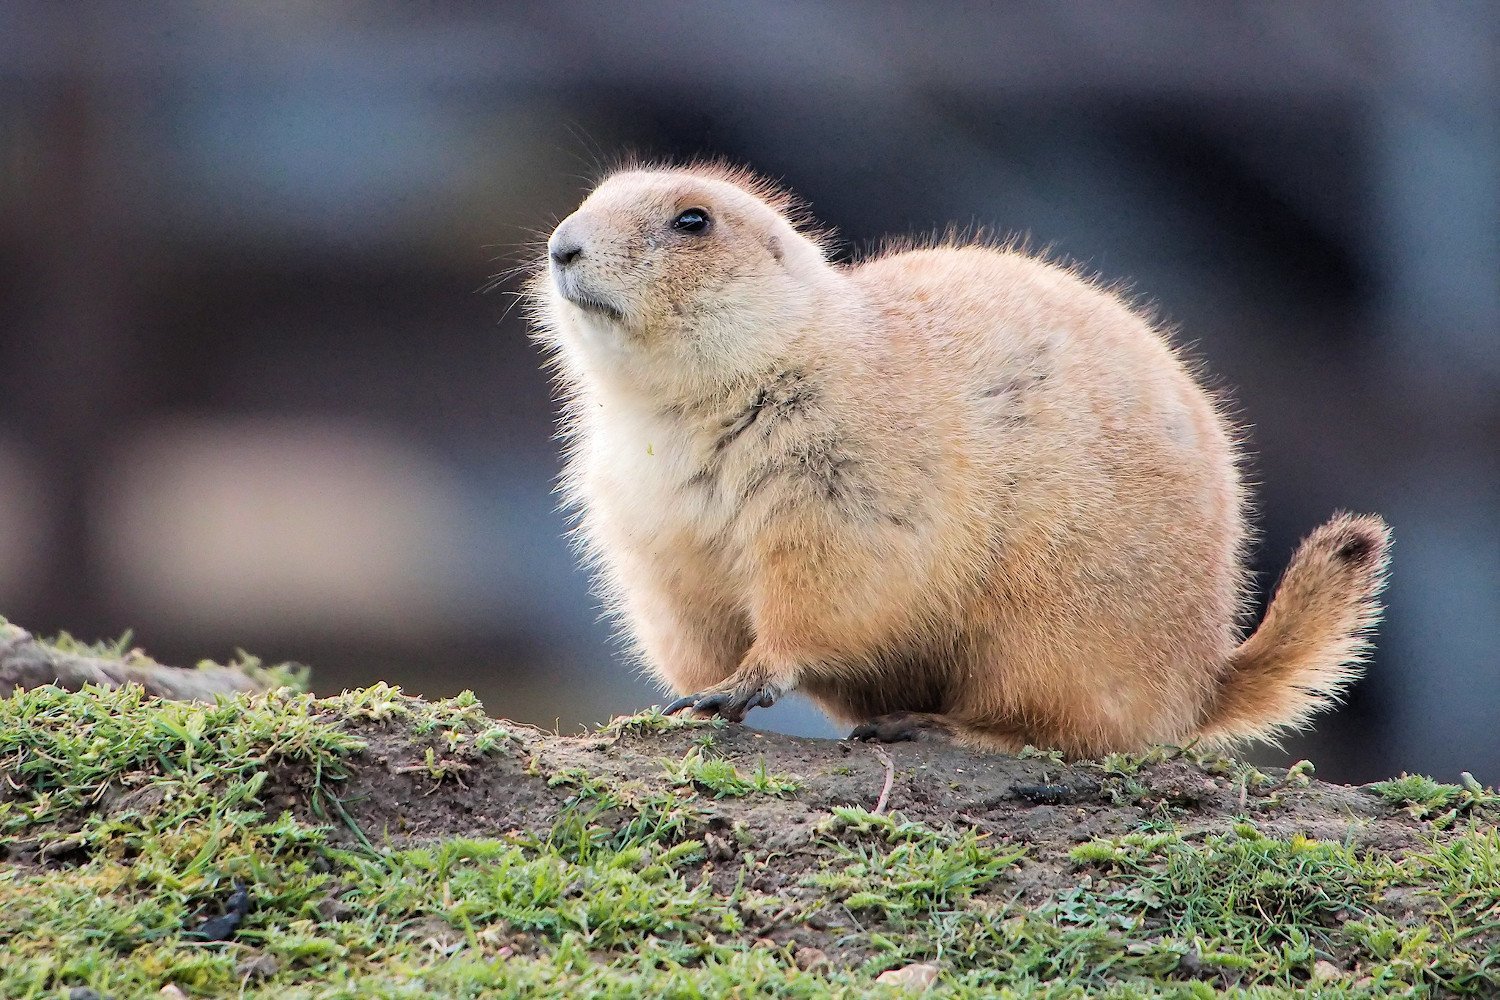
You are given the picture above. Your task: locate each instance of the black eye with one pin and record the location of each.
(693, 220)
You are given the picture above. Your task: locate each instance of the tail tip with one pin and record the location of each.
(1359, 542)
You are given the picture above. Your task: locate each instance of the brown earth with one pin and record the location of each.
(393, 792)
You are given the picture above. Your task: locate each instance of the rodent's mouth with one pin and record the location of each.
(568, 288)
(588, 304)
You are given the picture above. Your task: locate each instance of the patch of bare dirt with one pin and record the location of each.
(1050, 807)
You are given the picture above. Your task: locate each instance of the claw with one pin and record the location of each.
(712, 704)
(729, 705)
(679, 704)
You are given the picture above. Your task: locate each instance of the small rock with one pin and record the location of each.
(765, 942)
(719, 848)
(83, 993)
(810, 958)
(918, 977)
(222, 928)
(333, 909)
(171, 992)
(819, 922)
(1190, 963)
(257, 967)
(1323, 971)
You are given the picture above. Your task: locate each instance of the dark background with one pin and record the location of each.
(250, 395)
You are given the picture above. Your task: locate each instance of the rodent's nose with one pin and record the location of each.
(565, 253)
(566, 245)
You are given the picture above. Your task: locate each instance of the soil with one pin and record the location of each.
(1048, 806)
(1034, 800)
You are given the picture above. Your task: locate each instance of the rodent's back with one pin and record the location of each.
(1109, 477)
(1062, 383)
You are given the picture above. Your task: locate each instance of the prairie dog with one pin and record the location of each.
(954, 489)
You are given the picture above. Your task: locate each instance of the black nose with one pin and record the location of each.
(564, 252)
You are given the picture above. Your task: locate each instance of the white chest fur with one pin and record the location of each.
(638, 468)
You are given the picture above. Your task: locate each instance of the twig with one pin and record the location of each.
(890, 776)
(27, 663)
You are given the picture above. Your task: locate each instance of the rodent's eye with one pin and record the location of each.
(692, 220)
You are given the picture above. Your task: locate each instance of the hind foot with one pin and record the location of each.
(903, 727)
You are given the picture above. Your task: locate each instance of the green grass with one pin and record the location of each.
(1425, 798)
(68, 751)
(653, 720)
(1254, 904)
(127, 820)
(721, 779)
(900, 869)
(270, 676)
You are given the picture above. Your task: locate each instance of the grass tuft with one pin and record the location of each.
(721, 779)
(902, 869)
(1425, 798)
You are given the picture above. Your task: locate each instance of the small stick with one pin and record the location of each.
(890, 776)
(27, 663)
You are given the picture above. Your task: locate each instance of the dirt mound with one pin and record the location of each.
(379, 845)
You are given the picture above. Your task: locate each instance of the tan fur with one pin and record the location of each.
(952, 488)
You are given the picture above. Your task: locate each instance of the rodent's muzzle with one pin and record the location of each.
(566, 244)
(567, 254)
(565, 249)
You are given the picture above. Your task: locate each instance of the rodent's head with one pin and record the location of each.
(699, 270)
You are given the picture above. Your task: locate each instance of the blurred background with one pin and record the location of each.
(250, 394)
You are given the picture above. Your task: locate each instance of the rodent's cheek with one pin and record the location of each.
(597, 274)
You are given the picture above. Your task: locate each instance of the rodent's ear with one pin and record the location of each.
(773, 244)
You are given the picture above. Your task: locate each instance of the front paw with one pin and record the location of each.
(727, 702)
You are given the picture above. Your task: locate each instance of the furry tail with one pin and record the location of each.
(1314, 638)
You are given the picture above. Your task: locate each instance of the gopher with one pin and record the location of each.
(952, 490)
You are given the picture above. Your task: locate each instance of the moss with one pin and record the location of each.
(1425, 798)
(902, 869)
(125, 822)
(1272, 909)
(721, 779)
(653, 720)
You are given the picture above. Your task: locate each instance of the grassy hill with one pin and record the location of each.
(377, 845)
